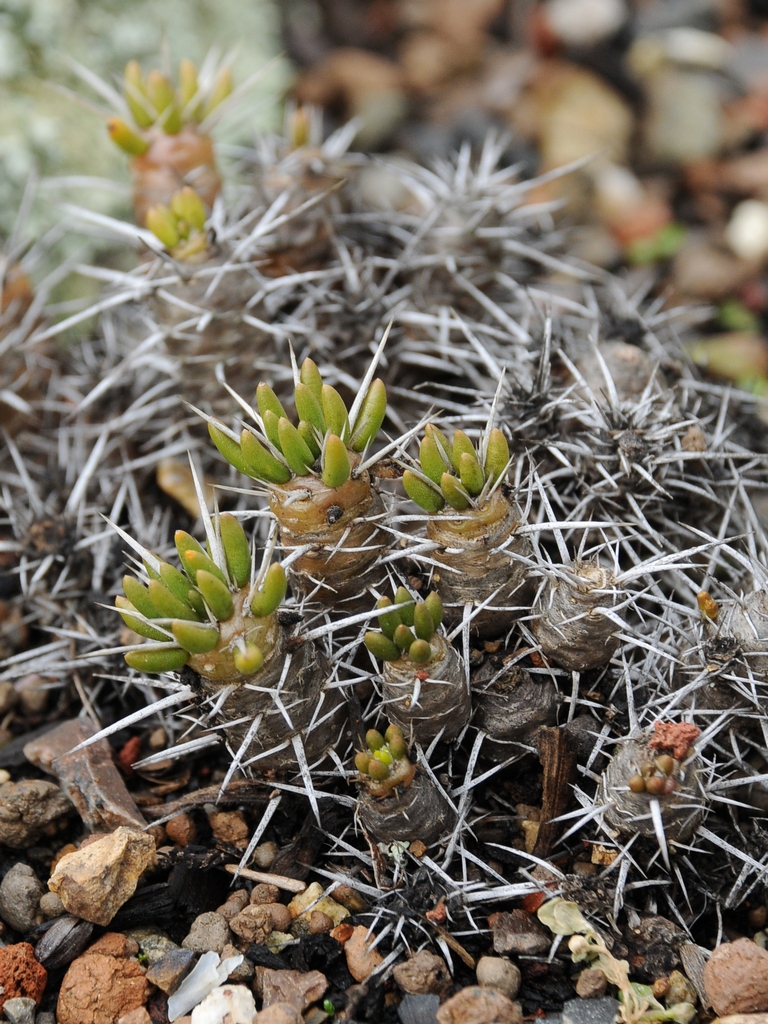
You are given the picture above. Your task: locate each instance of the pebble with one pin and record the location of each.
(424, 974)
(65, 940)
(230, 827)
(264, 855)
(229, 1004)
(96, 881)
(30, 810)
(684, 119)
(236, 902)
(114, 944)
(279, 1013)
(208, 973)
(89, 776)
(20, 893)
(591, 984)
(98, 989)
(362, 961)
(153, 943)
(584, 22)
(313, 897)
(253, 924)
(181, 829)
(503, 975)
(319, 923)
(747, 230)
(518, 932)
(137, 1016)
(242, 974)
(51, 905)
(476, 1005)
(209, 932)
(264, 892)
(33, 691)
(604, 1010)
(298, 988)
(20, 1010)
(45, 1018)
(21, 976)
(418, 1009)
(169, 971)
(736, 978)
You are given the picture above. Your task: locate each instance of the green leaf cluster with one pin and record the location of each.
(452, 473)
(407, 626)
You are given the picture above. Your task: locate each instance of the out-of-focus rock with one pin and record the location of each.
(30, 810)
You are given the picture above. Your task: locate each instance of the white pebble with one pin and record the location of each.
(585, 22)
(230, 1004)
(747, 231)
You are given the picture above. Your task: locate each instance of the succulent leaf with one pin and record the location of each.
(157, 659)
(435, 605)
(310, 377)
(390, 620)
(297, 452)
(186, 542)
(309, 436)
(127, 613)
(461, 446)
(271, 421)
(162, 96)
(135, 94)
(374, 740)
(126, 138)
(420, 652)
(216, 595)
(406, 613)
(237, 550)
(194, 636)
(188, 84)
(139, 597)
(267, 401)
(454, 493)
(222, 88)
(403, 637)
(187, 206)
(177, 583)
(309, 408)
(421, 493)
(431, 459)
(198, 561)
(496, 456)
(471, 473)
(336, 468)
(335, 412)
(273, 590)
(371, 416)
(423, 624)
(249, 661)
(232, 452)
(381, 646)
(168, 605)
(262, 463)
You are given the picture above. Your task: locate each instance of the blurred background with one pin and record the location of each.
(665, 101)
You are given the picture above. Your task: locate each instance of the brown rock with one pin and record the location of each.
(115, 944)
(518, 932)
(21, 976)
(30, 810)
(100, 989)
(253, 924)
(278, 1013)
(169, 971)
(362, 961)
(209, 931)
(424, 974)
(297, 988)
(236, 901)
(137, 1016)
(95, 882)
(476, 1005)
(281, 917)
(319, 923)
(264, 893)
(230, 827)
(591, 984)
(736, 978)
(181, 829)
(89, 776)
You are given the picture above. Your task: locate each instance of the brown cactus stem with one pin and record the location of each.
(628, 812)
(478, 548)
(340, 525)
(510, 705)
(172, 161)
(749, 627)
(567, 624)
(419, 811)
(425, 699)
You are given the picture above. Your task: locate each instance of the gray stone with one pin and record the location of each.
(604, 1010)
(418, 1009)
(20, 893)
(29, 810)
(519, 933)
(208, 932)
(496, 972)
(20, 1011)
(45, 1018)
(153, 942)
(170, 970)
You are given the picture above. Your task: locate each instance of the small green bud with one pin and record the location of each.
(135, 94)
(335, 413)
(267, 401)
(471, 474)
(216, 595)
(407, 612)
(377, 770)
(374, 740)
(454, 493)
(423, 626)
(461, 446)
(126, 138)
(310, 378)
(273, 589)
(297, 453)
(371, 416)
(384, 756)
(237, 550)
(309, 408)
(335, 466)
(497, 455)
(309, 437)
(188, 83)
(198, 561)
(403, 637)
(162, 223)
(139, 597)
(249, 661)
(180, 587)
(389, 621)
(362, 761)
(232, 452)
(186, 542)
(398, 747)
(168, 605)
(421, 493)
(128, 615)
(261, 463)
(381, 647)
(435, 605)
(194, 636)
(222, 88)
(163, 98)
(420, 652)
(187, 206)
(154, 659)
(432, 462)
(391, 732)
(270, 421)
(442, 442)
